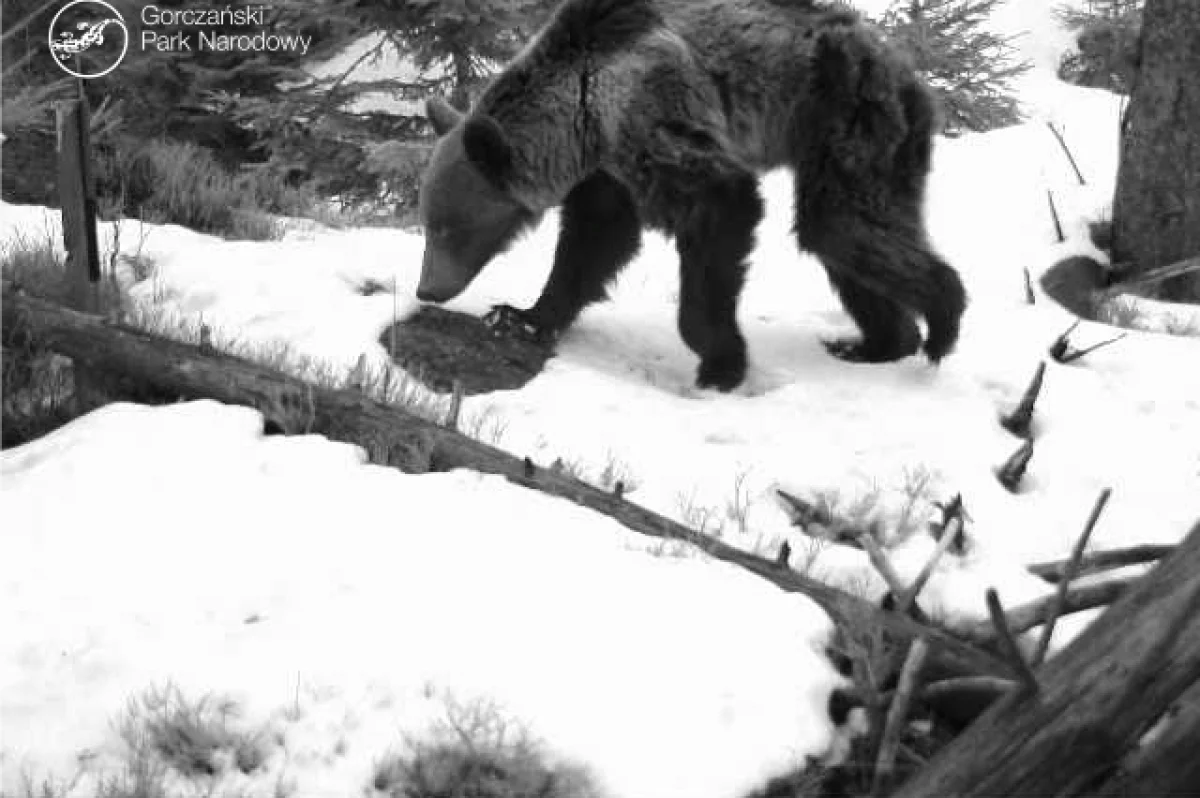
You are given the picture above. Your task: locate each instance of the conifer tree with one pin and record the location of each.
(968, 65)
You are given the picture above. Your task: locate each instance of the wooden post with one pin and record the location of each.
(77, 198)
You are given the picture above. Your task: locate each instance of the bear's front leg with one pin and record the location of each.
(599, 234)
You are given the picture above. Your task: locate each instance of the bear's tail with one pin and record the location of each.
(866, 144)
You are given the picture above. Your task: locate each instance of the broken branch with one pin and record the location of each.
(1026, 616)
(909, 596)
(1096, 561)
(1152, 277)
(897, 713)
(1013, 469)
(1020, 420)
(1008, 644)
(1068, 575)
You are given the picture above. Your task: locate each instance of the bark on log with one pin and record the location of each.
(1094, 703)
(1166, 764)
(396, 437)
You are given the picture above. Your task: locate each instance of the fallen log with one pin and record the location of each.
(396, 437)
(1094, 704)
(1165, 763)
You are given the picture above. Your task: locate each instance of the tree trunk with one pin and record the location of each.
(1156, 210)
(394, 436)
(1136, 666)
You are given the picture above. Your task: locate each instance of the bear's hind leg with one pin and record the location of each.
(714, 240)
(861, 152)
(600, 232)
(888, 330)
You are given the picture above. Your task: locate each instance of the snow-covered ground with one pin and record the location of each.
(344, 606)
(347, 607)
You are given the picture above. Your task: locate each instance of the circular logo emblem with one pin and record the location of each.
(88, 38)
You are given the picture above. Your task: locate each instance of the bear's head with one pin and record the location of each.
(468, 213)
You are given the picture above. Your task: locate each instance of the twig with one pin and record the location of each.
(802, 511)
(331, 92)
(951, 510)
(897, 713)
(1068, 357)
(1054, 215)
(456, 399)
(1062, 143)
(1101, 561)
(1069, 574)
(805, 514)
(905, 600)
(1153, 277)
(1062, 343)
(1013, 469)
(784, 555)
(395, 321)
(972, 684)
(1034, 613)
(385, 390)
(1030, 298)
(1008, 644)
(1020, 420)
(948, 687)
(882, 564)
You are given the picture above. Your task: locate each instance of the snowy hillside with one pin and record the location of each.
(345, 608)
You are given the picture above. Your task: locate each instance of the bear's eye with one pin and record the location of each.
(443, 231)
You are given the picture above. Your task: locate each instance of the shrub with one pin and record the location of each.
(171, 182)
(477, 752)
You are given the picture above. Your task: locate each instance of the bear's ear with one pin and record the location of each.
(488, 148)
(442, 115)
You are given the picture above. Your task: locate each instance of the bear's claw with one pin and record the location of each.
(855, 350)
(510, 321)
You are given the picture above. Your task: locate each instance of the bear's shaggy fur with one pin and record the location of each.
(662, 113)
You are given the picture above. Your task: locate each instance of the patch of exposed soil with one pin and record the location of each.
(440, 347)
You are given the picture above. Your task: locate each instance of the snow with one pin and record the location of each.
(345, 606)
(372, 595)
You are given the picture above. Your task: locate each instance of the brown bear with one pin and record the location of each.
(663, 113)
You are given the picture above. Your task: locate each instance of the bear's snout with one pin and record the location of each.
(443, 277)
